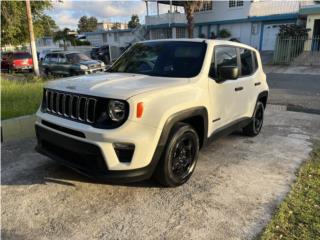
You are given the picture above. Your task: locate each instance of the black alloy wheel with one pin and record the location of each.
(179, 157)
(254, 127)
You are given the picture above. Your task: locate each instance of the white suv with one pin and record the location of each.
(152, 111)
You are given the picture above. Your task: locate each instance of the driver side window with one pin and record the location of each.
(222, 56)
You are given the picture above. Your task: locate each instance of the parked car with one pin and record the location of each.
(101, 53)
(16, 62)
(70, 63)
(158, 105)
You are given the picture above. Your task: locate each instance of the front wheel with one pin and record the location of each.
(254, 127)
(180, 156)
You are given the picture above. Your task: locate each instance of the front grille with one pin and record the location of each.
(69, 105)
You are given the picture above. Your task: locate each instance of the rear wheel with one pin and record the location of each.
(254, 127)
(47, 72)
(180, 156)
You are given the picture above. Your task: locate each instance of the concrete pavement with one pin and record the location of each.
(237, 184)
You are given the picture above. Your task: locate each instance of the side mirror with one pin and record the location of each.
(227, 73)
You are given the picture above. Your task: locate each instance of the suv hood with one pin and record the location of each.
(114, 85)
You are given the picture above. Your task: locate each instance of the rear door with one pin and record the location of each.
(224, 95)
(248, 79)
(64, 65)
(53, 63)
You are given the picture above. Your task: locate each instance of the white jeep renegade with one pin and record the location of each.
(153, 109)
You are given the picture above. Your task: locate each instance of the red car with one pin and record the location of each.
(16, 61)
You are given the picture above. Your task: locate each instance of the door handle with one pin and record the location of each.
(238, 89)
(257, 83)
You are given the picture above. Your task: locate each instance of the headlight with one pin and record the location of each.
(116, 110)
(83, 67)
(102, 64)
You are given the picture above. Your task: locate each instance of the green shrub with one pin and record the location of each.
(224, 33)
(20, 97)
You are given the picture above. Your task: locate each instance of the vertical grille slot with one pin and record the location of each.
(66, 105)
(48, 97)
(59, 103)
(70, 105)
(82, 108)
(91, 110)
(54, 102)
(74, 107)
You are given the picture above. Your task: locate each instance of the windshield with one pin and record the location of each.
(77, 57)
(167, 58)
(21, 55)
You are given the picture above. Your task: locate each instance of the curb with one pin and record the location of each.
(17, 128)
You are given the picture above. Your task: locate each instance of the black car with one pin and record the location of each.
(70, 63)
(101, 53)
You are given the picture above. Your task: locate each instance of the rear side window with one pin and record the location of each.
(21, 55)
(246, 62)
(223, 56)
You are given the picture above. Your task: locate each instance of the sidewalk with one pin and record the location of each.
(311, 70)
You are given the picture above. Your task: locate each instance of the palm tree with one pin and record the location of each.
(64, 36)
(189, 8)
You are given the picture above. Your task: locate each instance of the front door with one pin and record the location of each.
(224, 97)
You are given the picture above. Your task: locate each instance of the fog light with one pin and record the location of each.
(124, 151)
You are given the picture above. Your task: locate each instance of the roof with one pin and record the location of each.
(174, 3)
(107, 31)
(308, 10)
(212, 41)
(64, 52)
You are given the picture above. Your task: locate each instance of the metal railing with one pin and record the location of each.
(287, 49)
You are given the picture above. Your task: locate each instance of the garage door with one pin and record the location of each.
(270, 32)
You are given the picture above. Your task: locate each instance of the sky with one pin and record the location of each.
(67, 13)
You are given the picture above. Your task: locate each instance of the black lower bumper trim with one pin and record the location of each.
(86, 158)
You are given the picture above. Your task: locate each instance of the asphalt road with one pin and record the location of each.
(237, 184)
(301, 91)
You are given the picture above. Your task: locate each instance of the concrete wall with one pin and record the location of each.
(221, 12)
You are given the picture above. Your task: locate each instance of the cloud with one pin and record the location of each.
(68, 13)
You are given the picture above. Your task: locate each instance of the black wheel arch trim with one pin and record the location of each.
(170, 122)
(262, 95)
(182, 116)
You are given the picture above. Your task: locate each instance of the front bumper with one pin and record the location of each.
(94, 70)
(87, 158)
(22, 68)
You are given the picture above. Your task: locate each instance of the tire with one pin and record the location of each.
(47, 72)
(180, 156)
(254, 127)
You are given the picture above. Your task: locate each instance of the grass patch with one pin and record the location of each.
(298, 216)
(20, 97)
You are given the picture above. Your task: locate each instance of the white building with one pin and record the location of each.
(252, 22)
(117, 38)
(108, 25)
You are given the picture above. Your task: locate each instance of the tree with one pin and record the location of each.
(134, 22)
(45, 26)
(189, 8)
(116, 25)
(63, 36)
(87, 24)
(14, 27)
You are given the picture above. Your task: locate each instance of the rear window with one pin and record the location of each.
(21, 55)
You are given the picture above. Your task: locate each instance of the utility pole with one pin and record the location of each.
(32, 41)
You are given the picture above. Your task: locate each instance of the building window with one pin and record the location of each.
(235, 3)
(207, 6)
